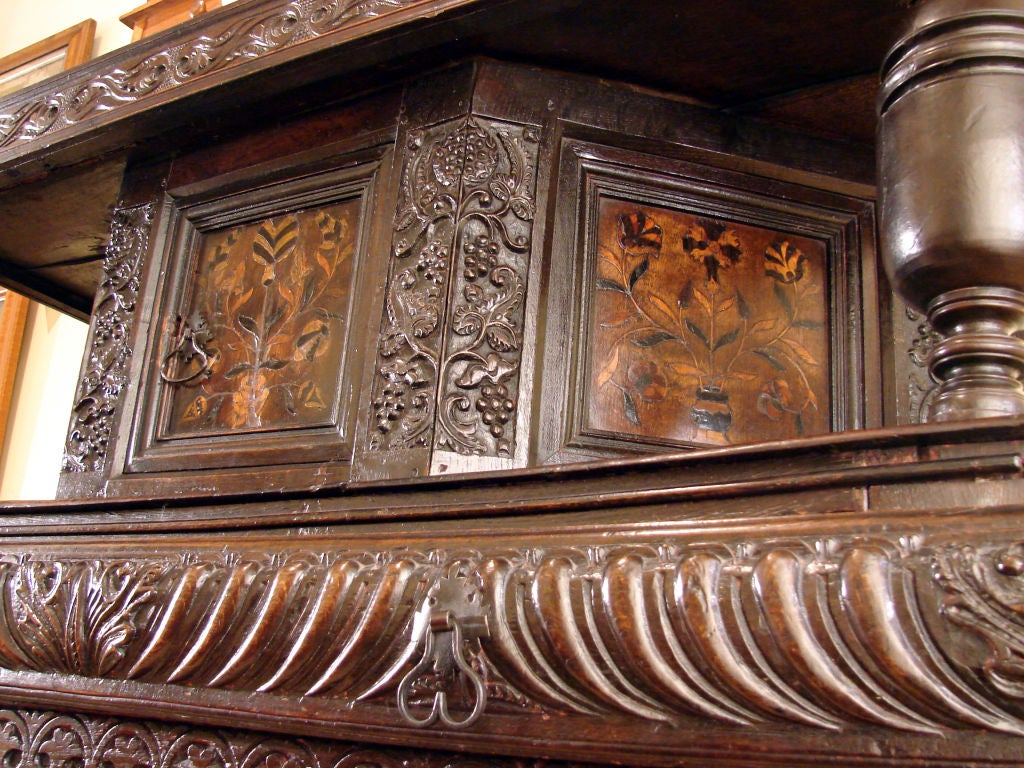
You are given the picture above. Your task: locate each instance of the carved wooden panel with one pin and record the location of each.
(232, 39)
(104, 378)
(253, 351)
(832, 634)
(707, 308)
(912, 342)
(30, 737)
(451, 339)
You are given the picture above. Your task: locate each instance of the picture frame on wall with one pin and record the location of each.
(48, 57)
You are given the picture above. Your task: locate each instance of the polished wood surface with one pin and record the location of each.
(465, 564)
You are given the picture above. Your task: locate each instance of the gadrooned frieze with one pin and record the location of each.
(829, 634)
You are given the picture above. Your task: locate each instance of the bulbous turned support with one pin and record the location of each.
(980, 363)
(951, 185)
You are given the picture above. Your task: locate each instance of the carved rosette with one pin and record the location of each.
(454, 309)
(113, 317)
(265, 31)
(831, 635)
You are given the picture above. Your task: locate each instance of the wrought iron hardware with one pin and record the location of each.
(189, 358)
(452, 614)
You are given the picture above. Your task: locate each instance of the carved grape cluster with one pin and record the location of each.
(481, 256)
(495, 407)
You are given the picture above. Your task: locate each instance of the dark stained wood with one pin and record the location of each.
(843, 109)
(443, 574)
(53, 236)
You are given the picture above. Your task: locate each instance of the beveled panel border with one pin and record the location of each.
(221, 203)
(589, 169)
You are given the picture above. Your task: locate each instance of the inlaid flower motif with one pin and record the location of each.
(646, 379)
(784, 262)
(712, 245)
(638, 232)
(775, 399)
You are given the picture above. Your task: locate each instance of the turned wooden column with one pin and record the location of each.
(951, 181)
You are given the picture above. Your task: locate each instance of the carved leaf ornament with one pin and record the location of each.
(239, 40)
(105, 376)
(463, 228)
(36, 738)
(827, 635)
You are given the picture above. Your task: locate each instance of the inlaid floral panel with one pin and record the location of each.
(265, 324)
(705, 330)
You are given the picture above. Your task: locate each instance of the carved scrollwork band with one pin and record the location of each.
(34, 738)
(271, 27)
(113, 317)
(454, 309)
(829, 634)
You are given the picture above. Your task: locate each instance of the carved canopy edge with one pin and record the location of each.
(639, 644)
(227, 44)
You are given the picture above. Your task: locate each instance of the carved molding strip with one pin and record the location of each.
(920, 387)
(454, 308)
(272, 27)
(829, 634)
(113, 317)
(32, 738)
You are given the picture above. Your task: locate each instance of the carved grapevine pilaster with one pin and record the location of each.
(480, 370)
(912, 342)
(454, 308)
(113, 317)
(920, 387)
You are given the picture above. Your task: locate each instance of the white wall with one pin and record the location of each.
(28, 21)
(54, 343)
(44, 391)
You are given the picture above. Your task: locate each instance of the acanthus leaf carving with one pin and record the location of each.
(113, 319)
(985, 594)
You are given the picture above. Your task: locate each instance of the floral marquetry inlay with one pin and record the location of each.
(267, 320)
(706, 330)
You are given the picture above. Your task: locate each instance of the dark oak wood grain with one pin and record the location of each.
(463, 563)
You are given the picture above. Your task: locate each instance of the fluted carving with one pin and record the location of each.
(826, 634)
